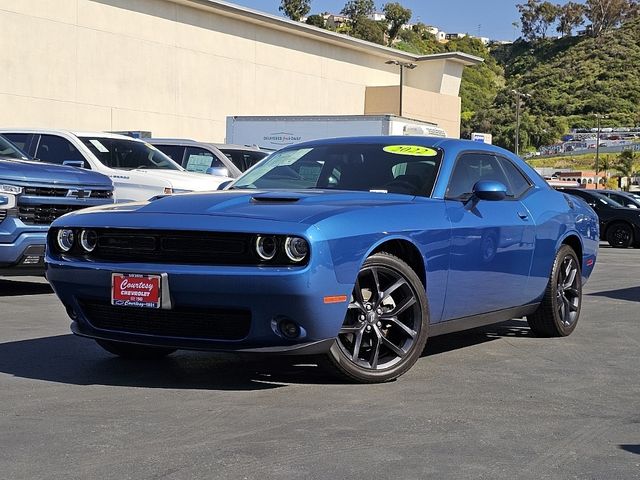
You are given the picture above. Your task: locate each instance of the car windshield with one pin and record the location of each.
(128, 154)
(606, 200)
(384, 168)
(9, 150)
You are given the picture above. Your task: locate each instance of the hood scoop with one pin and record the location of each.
(275, 197)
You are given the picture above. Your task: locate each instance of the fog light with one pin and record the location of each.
(266, 247)
(65, 239)
(88, 240)
(296, 248)
(289, 329)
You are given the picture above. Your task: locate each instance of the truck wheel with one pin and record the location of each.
(620, 235)
(133, 350)
(385, 328)
(558, 313)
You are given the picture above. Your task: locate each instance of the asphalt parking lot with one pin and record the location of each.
(491, 403)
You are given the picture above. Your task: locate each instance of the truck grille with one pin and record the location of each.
(3, 215)
(177, 247)
(44, 214)
(64, 192)
(211, 324)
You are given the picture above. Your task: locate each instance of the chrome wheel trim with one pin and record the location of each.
(568, 295)
(383, 320)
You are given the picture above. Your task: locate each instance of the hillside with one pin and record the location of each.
(570, 80)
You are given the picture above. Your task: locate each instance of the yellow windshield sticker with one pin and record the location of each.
(415, 150)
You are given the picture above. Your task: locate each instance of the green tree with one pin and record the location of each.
(571, 16)
(295, 9)
(536, 17)
(317, 21)
(358, 11)
(607, 14)
(397, 16)
(366, 29)
(625, 164)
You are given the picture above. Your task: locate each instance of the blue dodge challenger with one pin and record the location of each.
(352, 249)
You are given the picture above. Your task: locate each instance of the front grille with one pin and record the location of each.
(182, 322)
(44, 214)
(45, 191)
(3, 215)
(177, 247)
(64, 192)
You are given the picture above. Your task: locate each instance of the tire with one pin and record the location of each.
(620, 235)
(133, 350)
(386, 325)
(557, 315)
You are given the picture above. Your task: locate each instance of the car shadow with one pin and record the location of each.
(631, 294)
(631, 448)
(78, 361)
(476, 336)
(13, 288)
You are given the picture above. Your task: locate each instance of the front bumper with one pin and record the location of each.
(269, 294)
(22, 248)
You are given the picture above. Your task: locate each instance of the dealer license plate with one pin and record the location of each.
(136, 290)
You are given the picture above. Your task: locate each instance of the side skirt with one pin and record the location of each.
(474, 321)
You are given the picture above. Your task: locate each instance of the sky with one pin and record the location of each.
(484, 18)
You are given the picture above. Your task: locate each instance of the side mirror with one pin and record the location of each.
(219, 171)
(489, 190)
(224, 185)
(74, 163)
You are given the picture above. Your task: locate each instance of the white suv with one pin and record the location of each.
(138, 170)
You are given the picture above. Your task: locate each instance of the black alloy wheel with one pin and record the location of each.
(134, 351)
(385, 327)
(559, 311)
(620, 235)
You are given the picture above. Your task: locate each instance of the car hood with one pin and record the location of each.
(287, 206)
(39, 172)
(180, 180)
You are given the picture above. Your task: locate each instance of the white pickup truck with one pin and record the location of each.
(138, 170)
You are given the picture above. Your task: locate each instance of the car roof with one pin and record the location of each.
(190, 141)
(423, 141)
(58, 131)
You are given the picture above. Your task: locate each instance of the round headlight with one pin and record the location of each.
(65, 239)
(296, 248)
(266, 247)
(88, 240)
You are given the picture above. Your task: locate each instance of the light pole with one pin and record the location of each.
(598, 117)
(402, 66)
(519, 95)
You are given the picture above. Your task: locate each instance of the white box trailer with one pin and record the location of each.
(277, 132)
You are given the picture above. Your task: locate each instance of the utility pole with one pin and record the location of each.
(402, 66)
(598, 117)
(519, 96)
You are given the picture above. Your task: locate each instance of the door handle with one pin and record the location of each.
(523, 215)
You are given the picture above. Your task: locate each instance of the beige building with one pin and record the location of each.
(180, 67)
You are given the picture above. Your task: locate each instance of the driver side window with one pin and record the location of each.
(471, 168)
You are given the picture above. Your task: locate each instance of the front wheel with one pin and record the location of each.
(559, 311)
(134, 351)
(620, 235)
(385, 328)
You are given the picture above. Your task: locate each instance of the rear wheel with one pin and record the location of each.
(620, 235)
(134, 351)
(559, 311)
(385, 328)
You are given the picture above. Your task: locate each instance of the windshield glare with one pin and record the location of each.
(9, 150)
(383, 168)
(128, 154)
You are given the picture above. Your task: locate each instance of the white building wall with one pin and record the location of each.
(169, 68)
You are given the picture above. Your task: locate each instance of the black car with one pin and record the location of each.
(619, 225)
(623, 198)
